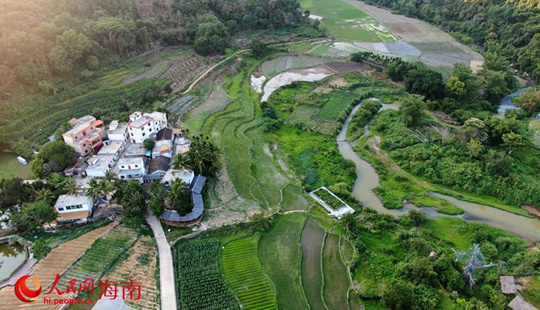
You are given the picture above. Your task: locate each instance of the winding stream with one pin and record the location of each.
(368, 179)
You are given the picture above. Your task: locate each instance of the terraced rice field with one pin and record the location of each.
(216, 101)
(312, 241)
(280, 252)
(347, 22)
(336, 281)
(257, 181)
(139, 266)
(55, 263)
(244, 274)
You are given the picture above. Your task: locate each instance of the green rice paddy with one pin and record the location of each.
(244, 274)
(347, 22)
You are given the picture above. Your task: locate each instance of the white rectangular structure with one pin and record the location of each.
(99, 165)
(131, 169)
(117, 131)
(344, 209)
(73, 207)
(144, 125)
(172, 175)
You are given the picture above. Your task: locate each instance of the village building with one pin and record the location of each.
(135, 150)
(131, 169)
(519, 303)
(98, 166)
(85, 136)
(182, 145)
(117, 131)
(162, 148)
(508, 285)
(73, 208)
(157, 169)
(172, 217)
(79, 168)
(145, 125)
(173, 175)
(112, 148)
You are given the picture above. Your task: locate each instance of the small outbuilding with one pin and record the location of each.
(508, 285)
(519, 303)
(73, 208)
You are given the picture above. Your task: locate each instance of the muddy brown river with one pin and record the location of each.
(368, 179)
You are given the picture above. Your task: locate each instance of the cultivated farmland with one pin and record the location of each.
(312, 240)
(347, 22)
(243, 272)
(337, 103)
(55, 263)
(336, 281)
(281, 258)
(199, 282)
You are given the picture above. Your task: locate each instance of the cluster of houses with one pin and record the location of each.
(120, 149)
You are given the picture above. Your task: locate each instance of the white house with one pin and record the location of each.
(131, 169)
(112, 148)
(117, 131)
(99, 165)
(144, 125)
(172, 175)
(73, 208)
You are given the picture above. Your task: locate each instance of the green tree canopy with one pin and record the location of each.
(412, 110)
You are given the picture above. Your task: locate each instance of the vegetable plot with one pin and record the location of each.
(199, 283)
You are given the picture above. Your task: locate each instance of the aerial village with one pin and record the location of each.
(141, 150)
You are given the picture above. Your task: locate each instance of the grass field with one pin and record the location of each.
(347, 22)
(244, 274)
(336, 282)
(312, 241)
(280, 253)
(10, 167)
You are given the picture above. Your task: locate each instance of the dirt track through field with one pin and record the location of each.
(57, 262)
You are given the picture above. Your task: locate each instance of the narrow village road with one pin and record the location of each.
(166, 269)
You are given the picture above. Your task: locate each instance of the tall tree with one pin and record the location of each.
(412, 110)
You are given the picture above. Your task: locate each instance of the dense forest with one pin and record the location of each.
(40, 40)
(506, 28)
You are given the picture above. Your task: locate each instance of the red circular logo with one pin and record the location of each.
(24, 293)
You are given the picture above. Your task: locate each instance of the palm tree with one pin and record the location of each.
(44, 194)
(181, 161)
(71, 186)
(95, 189)
(111, 177)
(178, 197)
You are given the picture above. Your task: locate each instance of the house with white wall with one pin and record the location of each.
(117, 131)
(172, 175)
(73, 208)
(99, 165)
(131, 169)
(145, 125)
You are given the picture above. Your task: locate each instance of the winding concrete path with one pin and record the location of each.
(166, 269)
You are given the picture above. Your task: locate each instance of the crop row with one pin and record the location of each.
(42, 121)
(244, 273)
(339, 101)
(199, 282)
